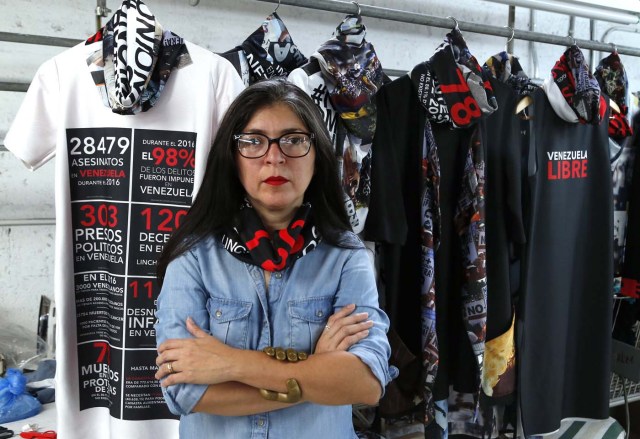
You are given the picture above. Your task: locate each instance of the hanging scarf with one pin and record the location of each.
(612, 78)
(430, 240)
(248, 240)
(353, 74)
(136, 59)
(464, 84)
(351, 65)
(442, 104)
(572, 90)
(267, 52)
(506, 68)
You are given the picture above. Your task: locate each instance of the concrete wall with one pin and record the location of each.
(26, 271)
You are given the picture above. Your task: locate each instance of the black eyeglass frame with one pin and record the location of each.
(311, 136)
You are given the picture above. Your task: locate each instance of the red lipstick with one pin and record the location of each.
(276, 181)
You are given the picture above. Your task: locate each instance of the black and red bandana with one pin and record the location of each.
(613, 81)
(248, 240)
(577, 86)
(464, 84)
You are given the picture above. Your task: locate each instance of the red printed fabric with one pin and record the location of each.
(248, 240)
(578, 86)
(454, 88)
(464, 84)
(613, 81)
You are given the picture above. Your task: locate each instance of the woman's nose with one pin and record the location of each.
(274, 155)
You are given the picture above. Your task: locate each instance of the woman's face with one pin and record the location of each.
(275, 184)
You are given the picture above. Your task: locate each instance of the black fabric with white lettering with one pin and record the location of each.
(248, 240)
(269, 52)
(564, 315)
(131, 77)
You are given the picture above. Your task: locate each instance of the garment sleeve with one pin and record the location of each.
(183, 295)
(631, 265)
(386, 220)
(32, 136)
(357, 285)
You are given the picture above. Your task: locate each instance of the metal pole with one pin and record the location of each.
(430, 20)
(533, 52)
(512, 24)
(38, 39)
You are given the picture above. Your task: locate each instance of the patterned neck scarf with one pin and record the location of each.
(136, 59)
(248, 240)
(612, 78)
(477, 100)
(572, 90)
(270, 51)
(351, 65)
(506, 68)
(352, 75)
(464, 84)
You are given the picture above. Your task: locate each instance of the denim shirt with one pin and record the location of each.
(229, 299)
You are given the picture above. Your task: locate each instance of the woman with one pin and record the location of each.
(264, 258)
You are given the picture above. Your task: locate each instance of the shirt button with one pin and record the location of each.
(278, 275)
(319, 313)
(260, 422)
(218, 313)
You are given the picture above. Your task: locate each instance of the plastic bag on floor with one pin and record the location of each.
(15, 402)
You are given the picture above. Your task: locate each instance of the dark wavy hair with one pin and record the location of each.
(221, 192)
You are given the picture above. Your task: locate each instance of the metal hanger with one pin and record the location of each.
(456, 27)
(513, 33)
(277, 6)
(358, 6)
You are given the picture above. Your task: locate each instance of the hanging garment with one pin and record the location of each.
(131, 74)
(631, 264)
(122, 183)
(342, 78)
(506, 68)
(267, 52)
(505, 228)
(404, 107)
(564, 315)
(612, 78)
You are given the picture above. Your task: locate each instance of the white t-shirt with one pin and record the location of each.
(123, 183)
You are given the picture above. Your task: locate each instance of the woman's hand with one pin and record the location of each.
(343, 330)
(200, 360)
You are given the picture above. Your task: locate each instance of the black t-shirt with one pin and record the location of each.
(564, 317)
(394, 222)
(631, 265)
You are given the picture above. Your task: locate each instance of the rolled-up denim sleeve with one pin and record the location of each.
(357, 285)
(183, 295)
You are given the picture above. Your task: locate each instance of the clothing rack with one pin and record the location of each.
(447, 23)
(367, 11)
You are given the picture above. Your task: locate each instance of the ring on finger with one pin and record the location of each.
(327, 327)
(170, 367)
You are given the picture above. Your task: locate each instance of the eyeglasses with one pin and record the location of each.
(292, 145)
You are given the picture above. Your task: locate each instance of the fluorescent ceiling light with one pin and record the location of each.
(599, 12)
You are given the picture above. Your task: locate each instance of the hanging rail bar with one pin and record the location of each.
(27, 222)
(430, 20)
(14, 86)
(38, 39)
